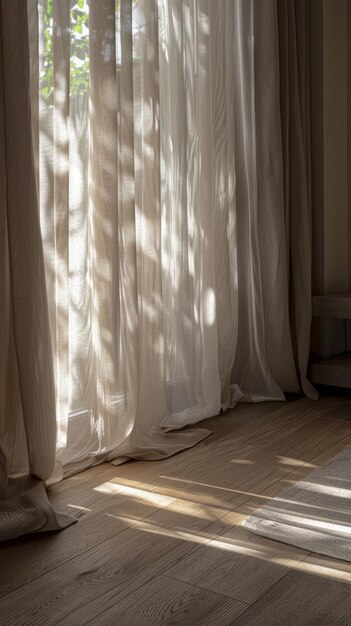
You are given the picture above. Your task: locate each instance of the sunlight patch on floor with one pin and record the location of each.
(111, 488)
(79, 508)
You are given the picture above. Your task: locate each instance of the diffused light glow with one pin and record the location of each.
(209, 307)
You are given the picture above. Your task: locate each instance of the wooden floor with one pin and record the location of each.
(161, 542)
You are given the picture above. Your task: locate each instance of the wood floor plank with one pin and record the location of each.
(304, 438)
(256, 470)
(181, 531)
(106, 573)
(298, 472)
(237, 564)
(24, 561)
(326, 567)
(164, 601)
(40, 554)
(301, 599)
(340, 412)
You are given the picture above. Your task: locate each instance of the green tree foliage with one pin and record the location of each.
(79, 50)
(79, 47)
(79, 67)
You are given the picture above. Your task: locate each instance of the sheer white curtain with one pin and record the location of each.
(166, 216)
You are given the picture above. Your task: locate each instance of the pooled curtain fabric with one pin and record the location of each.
(27, 394)
(172, 163)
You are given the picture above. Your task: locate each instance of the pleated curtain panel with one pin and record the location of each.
(155, 227)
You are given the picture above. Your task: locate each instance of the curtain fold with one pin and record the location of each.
(27, 393)
(25, 280)
(171, 144)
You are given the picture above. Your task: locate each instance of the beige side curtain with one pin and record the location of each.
(295, 103)
(26, 329)
(172, 150)
(27, 393)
